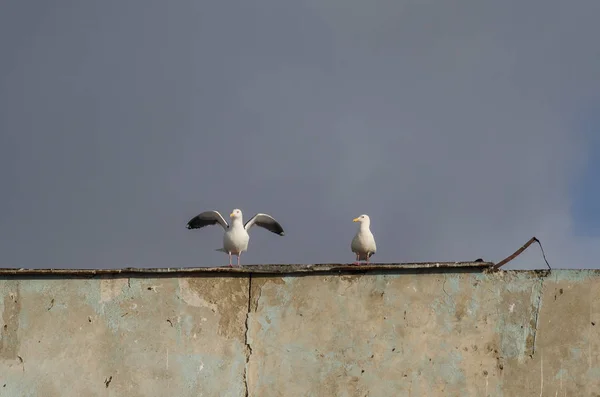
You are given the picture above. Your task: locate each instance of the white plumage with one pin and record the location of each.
(235, 239)
(363, 244)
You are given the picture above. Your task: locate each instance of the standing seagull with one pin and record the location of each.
(235, 239)
(363, 243)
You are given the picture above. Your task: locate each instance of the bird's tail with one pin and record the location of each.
(221, 250)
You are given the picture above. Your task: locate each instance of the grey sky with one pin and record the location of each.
(454, 125)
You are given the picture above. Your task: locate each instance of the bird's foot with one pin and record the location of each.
(356, 263)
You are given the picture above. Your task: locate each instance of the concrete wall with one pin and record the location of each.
(381, 333)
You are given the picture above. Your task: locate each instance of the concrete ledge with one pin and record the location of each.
(437, 329)
(250, 269)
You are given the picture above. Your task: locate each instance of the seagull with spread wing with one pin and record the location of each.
(235, 239)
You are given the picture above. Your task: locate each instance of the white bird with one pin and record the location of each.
(235, 239)
(363, 243)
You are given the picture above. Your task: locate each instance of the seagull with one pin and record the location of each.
(363, 243)
(235, 239)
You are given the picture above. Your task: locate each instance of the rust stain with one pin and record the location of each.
(529, 341)
(9, 341)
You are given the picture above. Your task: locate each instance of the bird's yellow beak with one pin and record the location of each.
(355, 220)
(231, 215)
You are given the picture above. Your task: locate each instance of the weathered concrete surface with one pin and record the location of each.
(504, 334)
(441, 332)
(148, 337)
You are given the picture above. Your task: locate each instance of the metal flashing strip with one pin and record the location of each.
(251, 269)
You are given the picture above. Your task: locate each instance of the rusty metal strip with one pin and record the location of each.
(248, 269)
(519, 251)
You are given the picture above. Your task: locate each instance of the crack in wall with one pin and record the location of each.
(255, 301)
(248, 347)
(537, 314)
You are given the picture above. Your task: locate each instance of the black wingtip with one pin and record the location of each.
(194, 225)
(278, 229)
(190, 224)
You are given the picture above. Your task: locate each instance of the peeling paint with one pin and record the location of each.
(193, 298)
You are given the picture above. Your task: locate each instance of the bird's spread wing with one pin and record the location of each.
(266, 221)
(207, 218)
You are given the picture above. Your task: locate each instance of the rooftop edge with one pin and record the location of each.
(249, 269)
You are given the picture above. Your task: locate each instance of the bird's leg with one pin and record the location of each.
(230, 264)
(367, 258)
(240, 254)
(357, 260)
